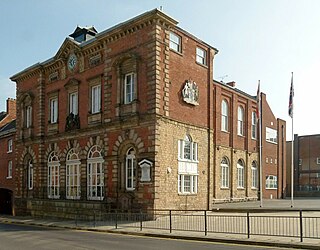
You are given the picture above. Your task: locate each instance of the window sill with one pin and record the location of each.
(224, 188)
(54, 197)
(95, 198)
(240, 188)
(177, 52)
(9, 152)
(271, 188)
(241, 136)
(9, 177)
(94, 119)
(254, 188)
(225, 131)
(187, 194)
(203, 65)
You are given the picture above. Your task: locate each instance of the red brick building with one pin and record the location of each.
(306, 165)
(131, 118)
(7, 156)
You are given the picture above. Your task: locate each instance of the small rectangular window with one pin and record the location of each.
(300, 162)
(95, 99)
(254, 125)
(73, 103)
(201, 56)
(9, 145)
(28, 116)
(318, 161)
(129, 88)
(271, 182)
(54, 110)
(271, 135)
(175, 42)
(9, 169)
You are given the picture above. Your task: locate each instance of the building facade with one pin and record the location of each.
(7, 157)
(306, 170)
(131, 118)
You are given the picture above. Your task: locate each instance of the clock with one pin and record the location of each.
(72, 61)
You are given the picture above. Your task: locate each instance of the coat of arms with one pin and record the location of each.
(190, 93)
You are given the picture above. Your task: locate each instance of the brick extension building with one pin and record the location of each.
(131, 118)
(7, 156)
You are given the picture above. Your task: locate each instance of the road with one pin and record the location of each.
(23, 237)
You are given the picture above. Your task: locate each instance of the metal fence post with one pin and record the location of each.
(170, 216)
(116, 219)
(301, 226)
(140, 220)
(248, 224)
(205, 223)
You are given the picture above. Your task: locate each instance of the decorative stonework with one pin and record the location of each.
(94, 141)
(28, 150)
(53, 147)
(190, 93)
(73, 144)
(131, 137)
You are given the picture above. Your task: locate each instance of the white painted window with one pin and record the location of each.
(95, 99)
(54, 110)
(129, 87)
(9, 173)
(318, 160)
(73, 175)
(30, 175)
(271, 135)
(225, 173)
(224, 115)
(175, 42)
(73, 103)
(130, 169)
(240, 121)
(201, 56)
(95, 170)
(240, 174)
(9, 146)
(254, 175)
(28, 116)
(187, 149)
(271, 182)
(187, 184)
(53, 176)
(254, 125)
(300, 162)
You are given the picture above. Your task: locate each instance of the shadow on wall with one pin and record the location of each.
(5, 201)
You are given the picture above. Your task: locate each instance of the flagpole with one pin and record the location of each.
(292, 140)
(260, 144)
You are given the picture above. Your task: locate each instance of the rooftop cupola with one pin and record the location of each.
(82, 34)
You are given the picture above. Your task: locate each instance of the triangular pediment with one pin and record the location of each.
(67, 47)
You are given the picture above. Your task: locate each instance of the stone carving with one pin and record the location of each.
(72, 122)
(190, 93)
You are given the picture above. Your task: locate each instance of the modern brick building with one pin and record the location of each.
(306, 165)
(7, 156)
(131, 118)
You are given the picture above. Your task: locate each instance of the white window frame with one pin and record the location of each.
(73, 103)
(96, 99)
(10, 146)
(240, 121)
(95, 171)
(318, 160)
(225, 172)
(271, 135)
(254, 175)
(54, 110)
(129, 87)
(130, 169)
(240, 174)
(300, 162)
(201, 56)
(9, 172)
(30, 175)
(73, 175)
(187, 183)
(175, 42)
(254, 125)
(28, 116)
(271, 182)
(224, 116)
(53, 176)
(187, 150)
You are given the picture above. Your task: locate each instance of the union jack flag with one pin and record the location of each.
(291, 98)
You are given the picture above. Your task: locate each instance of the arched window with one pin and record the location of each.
(240, 174)
(225, 172)
(130, 169)
(95, 170)
(73, 175)
(254, 125)
(187, 149)
(53, 176)
(224, 115)
(30, 175)
(240, 120)
(254, 175)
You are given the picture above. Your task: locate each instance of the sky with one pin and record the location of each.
(257, 40)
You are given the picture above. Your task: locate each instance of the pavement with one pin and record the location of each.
(268, 241)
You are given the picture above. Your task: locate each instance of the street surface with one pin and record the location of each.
(23, 237)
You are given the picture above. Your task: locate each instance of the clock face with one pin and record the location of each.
(72, 61)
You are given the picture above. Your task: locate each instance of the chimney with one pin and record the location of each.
(11, 107)
(231, 84)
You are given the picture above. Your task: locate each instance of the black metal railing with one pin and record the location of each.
(285, 223)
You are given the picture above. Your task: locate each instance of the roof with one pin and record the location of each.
(2, 115)
(236, 90)
(8, 128)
